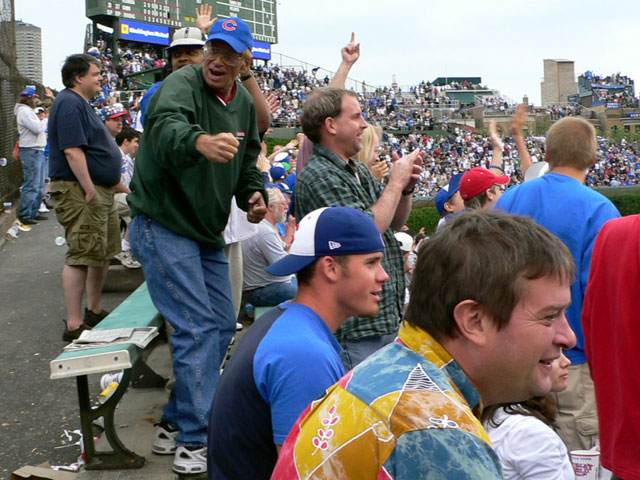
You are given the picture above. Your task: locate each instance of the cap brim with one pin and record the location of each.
(236, 44)
(289, 265)
(188, 42)
(502, 179)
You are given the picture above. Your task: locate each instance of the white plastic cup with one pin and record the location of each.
(3, 162)
(7, 207)
(586, 464)
(60, 241)
(12, 233)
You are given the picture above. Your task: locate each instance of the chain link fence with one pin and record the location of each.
(11, 84)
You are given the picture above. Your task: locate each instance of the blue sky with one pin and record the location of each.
(502, 41)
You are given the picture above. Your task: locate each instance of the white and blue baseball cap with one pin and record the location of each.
(329, 231)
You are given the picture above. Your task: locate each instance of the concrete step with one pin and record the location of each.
(123, 279)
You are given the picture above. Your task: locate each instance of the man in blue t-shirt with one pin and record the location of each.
(290, 356)
(84, 165)
(560, 202)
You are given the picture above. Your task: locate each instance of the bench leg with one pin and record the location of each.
(120, 457)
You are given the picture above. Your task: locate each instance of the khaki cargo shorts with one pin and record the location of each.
(92, 229)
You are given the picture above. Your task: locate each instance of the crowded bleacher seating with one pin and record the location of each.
(405, 115)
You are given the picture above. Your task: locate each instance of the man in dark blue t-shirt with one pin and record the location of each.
(84, 165)
(290, 356)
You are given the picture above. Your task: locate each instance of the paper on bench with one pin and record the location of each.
(140, 336)
(104, 336)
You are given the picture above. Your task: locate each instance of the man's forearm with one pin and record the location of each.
(262, 107)
(402, 212)
(339, 80)
(523, 152)
(78, 164)
(385, 209)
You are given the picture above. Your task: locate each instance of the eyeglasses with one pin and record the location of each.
(229, 58)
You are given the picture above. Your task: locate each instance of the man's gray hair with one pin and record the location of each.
(272, 193)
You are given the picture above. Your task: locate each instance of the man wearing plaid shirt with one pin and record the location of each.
(332, 119)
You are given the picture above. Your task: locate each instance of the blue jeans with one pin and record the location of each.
(355, 351)
(189, 285)
(32, 163)
(45, 176)
(273, 294)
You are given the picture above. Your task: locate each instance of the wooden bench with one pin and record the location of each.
(136, 311)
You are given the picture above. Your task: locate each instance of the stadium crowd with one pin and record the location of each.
(134, 57)
(397, 111)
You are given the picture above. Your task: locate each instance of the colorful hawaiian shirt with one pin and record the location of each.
(407, 412)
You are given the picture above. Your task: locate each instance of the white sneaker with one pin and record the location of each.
(126, 259)
(239, 326)
(190, 462)
(164, 442)
(43, 208)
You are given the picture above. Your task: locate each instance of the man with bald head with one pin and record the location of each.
(575, 213)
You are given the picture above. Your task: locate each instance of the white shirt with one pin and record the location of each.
(529, 449)
(238, 227)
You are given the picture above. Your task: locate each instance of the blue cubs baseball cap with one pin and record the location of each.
(234, 31)
(277, 172)
(29, 92)
(329, 231)
(445, 193)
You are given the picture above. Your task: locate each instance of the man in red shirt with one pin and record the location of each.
(612, 335)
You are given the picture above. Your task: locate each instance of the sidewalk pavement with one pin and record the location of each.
(135, 415)
(35, 412)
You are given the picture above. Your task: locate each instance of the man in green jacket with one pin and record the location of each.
(199, 149)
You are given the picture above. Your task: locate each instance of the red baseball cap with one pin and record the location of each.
(479, 179)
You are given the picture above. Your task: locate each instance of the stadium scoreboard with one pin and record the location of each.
(259, 14)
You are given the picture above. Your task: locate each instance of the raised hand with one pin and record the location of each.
(203, 18)
(351, 51)
(380, 170)
(274, 102)
(405, 171)
(518, 120)
(496, 142)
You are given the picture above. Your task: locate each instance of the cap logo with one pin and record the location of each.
(229, 25)
(334, 245)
